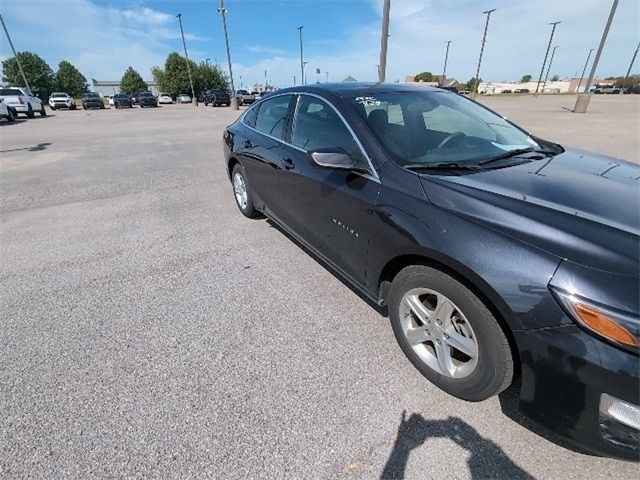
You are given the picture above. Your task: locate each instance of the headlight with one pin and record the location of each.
(621, 328)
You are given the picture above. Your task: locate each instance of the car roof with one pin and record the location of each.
(350, 89)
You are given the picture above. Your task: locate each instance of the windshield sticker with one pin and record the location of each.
(367, 101)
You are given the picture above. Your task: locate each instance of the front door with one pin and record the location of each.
(330, 208)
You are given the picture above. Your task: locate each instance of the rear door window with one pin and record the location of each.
(272, 116)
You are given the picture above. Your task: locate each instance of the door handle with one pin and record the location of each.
(248, 144)
(288, 164)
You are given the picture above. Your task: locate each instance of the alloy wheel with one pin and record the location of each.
(438, 332)
(240, 190)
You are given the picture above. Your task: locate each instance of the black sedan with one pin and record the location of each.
(147, 99)
(502, 259)
(120, 100)
(216, 98)
(92, 100)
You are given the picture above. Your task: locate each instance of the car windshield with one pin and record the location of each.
(59, 95)
(435, 127)
(119, 95)
(91, 95)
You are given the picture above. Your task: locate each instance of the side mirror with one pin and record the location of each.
(334, 159)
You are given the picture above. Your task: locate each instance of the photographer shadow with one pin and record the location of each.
(487, 459)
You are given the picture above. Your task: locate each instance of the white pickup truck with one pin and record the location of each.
(21, 100)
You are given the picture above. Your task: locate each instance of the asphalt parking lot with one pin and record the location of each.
(151, 331)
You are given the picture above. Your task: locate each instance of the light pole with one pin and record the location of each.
(446, 57)
(26, 84)
(223, 11)
(304, 79)
(484, 38)
(582, 102)
(301, 56)
(184, 44)
(384, 40)
(294, 80)
(553, 53)
(327, 73)
(633, 59)
(265, 80)
(553, 29)
(584, 70)
(240, 81)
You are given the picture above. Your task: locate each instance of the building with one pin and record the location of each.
(105, 88)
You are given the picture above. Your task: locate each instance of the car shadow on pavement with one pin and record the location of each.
(486, 459)
(35, 148)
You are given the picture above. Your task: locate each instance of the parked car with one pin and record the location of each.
(61, 100)
(146, 99)
(21, 100)
(164, 98)
(501, 258)
(134, 98)
(183, 98)
(522, 90)
(120, 100)
(92, 100)
(6, 112)
(244, 97)
(216, 98)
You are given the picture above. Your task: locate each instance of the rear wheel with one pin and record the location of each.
(30, 113)
(43, 112)
(448, 334)
(10, 116)
(242, 192)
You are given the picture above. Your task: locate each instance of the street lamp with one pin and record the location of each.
(633, 59)
(484, 38)
(223, 11)
(301, 56)
(384, 40)
(549, 69)
(582, 102)
(304, 79)
(446, 57)
(193, 92)
(584, 70)
(553, 29)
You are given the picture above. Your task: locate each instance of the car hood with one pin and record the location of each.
(578, 205)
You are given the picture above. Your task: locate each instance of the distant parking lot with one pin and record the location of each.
(149, 330)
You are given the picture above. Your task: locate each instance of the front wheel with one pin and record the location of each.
(30, 113)
(242, 192)
(449, 334)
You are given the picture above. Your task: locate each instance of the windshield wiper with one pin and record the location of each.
(515, 153)
(442, 166)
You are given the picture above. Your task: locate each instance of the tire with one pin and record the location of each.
(102, 107)
(43, 112)
(73, 107)
(84, 107)
(30, 113)
(10, 116)
(53, 108)
(466, 321)
(141, 106)
(245, 205)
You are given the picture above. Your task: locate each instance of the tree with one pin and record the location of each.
(526, 78)
(38, 73)
(555, 78)
(132, 82)
(472, 83)
(209, 77)
(423, 77)
(69, 79)
(174, 77)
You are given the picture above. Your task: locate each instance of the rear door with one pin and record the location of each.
(329, 208)
(262, 149)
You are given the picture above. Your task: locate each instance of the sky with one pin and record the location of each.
(341, 37)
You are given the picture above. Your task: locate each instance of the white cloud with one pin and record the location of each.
(265, 49)
(516, 41)
(101, 41)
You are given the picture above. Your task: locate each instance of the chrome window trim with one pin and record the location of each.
(374, 174)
